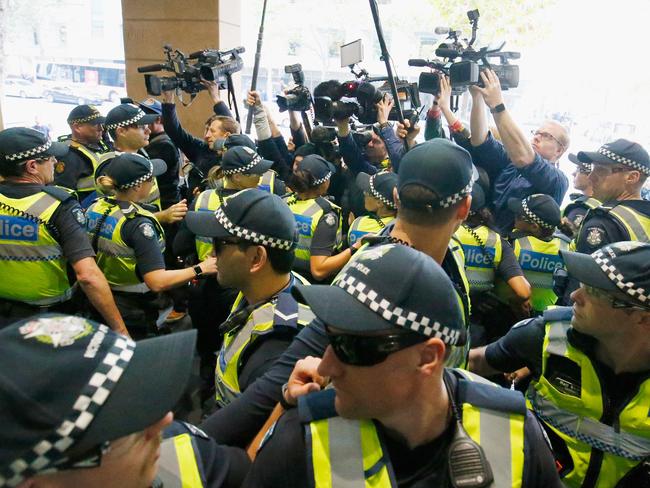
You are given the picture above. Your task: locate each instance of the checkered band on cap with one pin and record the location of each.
(140, 180)
(456, 197)
(82, 120)
(30, 153)
(623, 160)
(397, 315)
(627, 287)
(257, 159)
(378, 195)
(127, 122)
(251, 236)
(323, 179)
(50, 452)
(533, 217)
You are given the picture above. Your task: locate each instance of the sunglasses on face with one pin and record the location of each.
(357, 350)
(220, 244)
(600, 294)
(89, 459)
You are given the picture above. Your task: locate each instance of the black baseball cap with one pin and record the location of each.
(621, 268)
(127, 114)
(583, 167)
(478, 198)
(130, 169)
(18, 144)
(68, 384)
(366, 297)
(441, 166)
(151, 106)
(234, 140)
(319, 167)
(252, 215)
(85, 114)
(539, 208)
(380, 185)
(243, 159)
(621, 151)
(305, 150)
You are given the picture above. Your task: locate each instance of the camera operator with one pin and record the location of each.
(518, 167)
(383, 151)
(202, 153)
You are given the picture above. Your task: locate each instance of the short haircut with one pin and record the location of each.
(228, 124)
(415, 206)
(563, 134)
(9, 169)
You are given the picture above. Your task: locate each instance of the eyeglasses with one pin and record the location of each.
(220, 244)
(357, 350)
(605, 170)
(601, 294)
(89, 459)
(546, 136)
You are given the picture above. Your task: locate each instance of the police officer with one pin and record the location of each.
(254, 240)
(618, 172)
(582, 201)
(130, 241)
(41, 233)
(394, 415)
(378, 192)
(317, 219)
(590, 365)
(110, 411)
(434, 186)
(489, 256)
(536, 243)
(128, 126)
(75, 170)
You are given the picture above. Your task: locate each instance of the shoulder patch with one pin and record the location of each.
(79, 216)
(59, 167)
(595, 236)
(330, 220)
(147, 230)
(578, 220)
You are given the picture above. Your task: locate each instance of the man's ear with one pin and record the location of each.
(396, 197)
(259, 258)
(464, 207)
(432, 356)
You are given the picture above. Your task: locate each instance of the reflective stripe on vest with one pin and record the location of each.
(207, 201)
(573, 413)
(178, 466)
(538, 259)
(307, 214)
(482, 255)
(267, 181)
(31, 259)
(636, 223)
(349, 453)
(87, 183)
(115, 258)
(367, 225)
(263, 320)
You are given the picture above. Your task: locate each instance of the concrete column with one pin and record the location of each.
(189, 26)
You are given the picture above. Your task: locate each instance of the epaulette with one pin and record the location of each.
(60, 193)
(317, 406)
(479, 392)
(556, 314)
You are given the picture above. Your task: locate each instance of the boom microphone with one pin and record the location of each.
(418, 62)
(445, 52)
(151, 67)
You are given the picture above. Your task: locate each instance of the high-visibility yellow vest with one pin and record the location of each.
(267, 181)
(636, 223)
(584, 202)
(538, 259)
(32, 263)
(573, 408)
(307, 214)
(180, 465)
(207, 201)
(482, 248)
(154, 195)
(280, 313)
(86, 184)
(114, 257)
(367, 225)
(346, 453)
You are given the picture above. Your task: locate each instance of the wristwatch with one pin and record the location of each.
(498, 109)
(197, 270)
(384, 125)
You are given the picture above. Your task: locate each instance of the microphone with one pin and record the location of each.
(195, 55)
(151, 67)
(418, 62)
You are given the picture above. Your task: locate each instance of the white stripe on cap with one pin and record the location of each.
(456, 197)
(397, 315)
(323, 179)
(30, 153)
(140, 180)
(50, 451)
(623, 160)
(617, 277)
(249, 235)
(375, 193)
(243, 169)
(127, 122)
(529, 213)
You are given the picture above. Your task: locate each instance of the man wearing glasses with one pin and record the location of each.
(42, 232)
(254, 238)
(619, 170)
(394, 415)
(590, 367)
(517, 166)
(581, 201)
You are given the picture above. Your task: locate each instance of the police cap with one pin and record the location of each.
(621, 151)
(243, 159)
(85, 114)
(18, 144)
(127, 114)
(380, 186)
(128, 170)
(538, 208)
